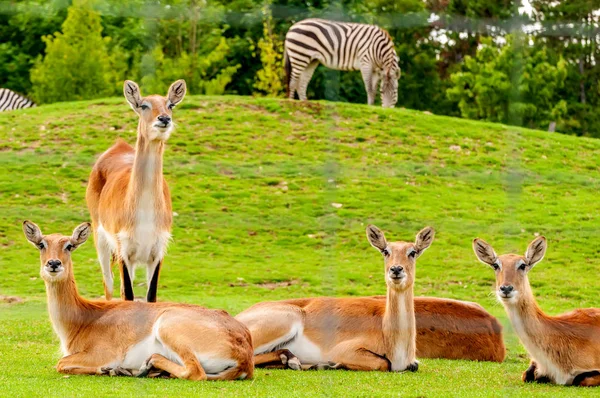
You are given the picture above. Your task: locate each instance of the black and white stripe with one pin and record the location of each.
(9, 100)
(342, 46)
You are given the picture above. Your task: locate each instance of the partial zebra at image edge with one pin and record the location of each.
(10, 101)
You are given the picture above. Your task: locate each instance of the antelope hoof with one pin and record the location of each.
(294, 364)
(543, 380)
(159, 374)
(529, 374)
(413, 367)
(116, 371)
(146, 368)
(326, 366)
(289, 360)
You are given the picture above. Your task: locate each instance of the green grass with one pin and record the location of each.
(253, 182)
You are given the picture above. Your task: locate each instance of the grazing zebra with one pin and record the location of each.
(342, 46)
(9, 100)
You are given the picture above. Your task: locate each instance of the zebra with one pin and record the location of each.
(342, 46)
(9, 100)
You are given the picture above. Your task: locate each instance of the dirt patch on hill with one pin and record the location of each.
(10, 299)
(268, 285)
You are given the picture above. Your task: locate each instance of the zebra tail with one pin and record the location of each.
(288, 71)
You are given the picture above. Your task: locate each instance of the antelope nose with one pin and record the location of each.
(506, 289)
(164, 119)
(54, 264)
(396, 270)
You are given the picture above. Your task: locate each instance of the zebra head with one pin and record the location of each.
(389, 84)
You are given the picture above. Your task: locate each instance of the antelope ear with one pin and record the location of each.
(132, 94)
(177, 92)
(376, 238)
(32, 233)
(424, 239)
(484, 252)
(80, 234)
(536, 251)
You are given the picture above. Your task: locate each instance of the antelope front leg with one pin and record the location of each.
(347, 356)
(587, 379)
(280, 359)
(80, 364)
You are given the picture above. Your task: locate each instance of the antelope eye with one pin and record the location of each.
(144, 107)
(496, 267)
(171, 106)
(385, 252)
(412, 254)
(522, 267)
(69, 247)
(41, 245)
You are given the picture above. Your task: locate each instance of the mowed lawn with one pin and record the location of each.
(272, 198)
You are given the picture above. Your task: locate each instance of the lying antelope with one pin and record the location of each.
(446, 328)
(346, 333)
(564, 349)
(135, 338)
(128, 198)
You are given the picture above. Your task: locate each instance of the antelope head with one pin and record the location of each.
(155, 111)
(511, 269)
(55, 250)
(400, 257)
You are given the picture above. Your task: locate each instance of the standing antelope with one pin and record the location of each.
(342, 46)
(346, 333)
(564, 349)
(135, 338)
(446, 328)
(129, 199)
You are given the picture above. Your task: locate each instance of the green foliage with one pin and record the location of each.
(77, 64)
(21, 32)
(142, 36)
(582, 88)
(269, 79)
(515, 84)
(203, 74)
(253, 181)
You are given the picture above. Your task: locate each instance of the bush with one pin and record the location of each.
(77, 64)
(269, 79)
(203, 74)
(515, 84)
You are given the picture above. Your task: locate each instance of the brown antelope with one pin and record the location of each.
(128, 198)
(346, 333)
(564, 349)
(446, 328)
(135, 338)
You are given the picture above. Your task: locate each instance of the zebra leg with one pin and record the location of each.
(293, 87)
(370, 82)
(305, 79)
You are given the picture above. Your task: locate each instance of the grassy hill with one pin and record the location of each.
(257, 186)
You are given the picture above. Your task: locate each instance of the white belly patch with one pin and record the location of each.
(140, 352)
(306, 351)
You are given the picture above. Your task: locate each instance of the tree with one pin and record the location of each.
(77, 64)
(207, 74)
(511, 84)
(21, 33)
(571, 30)
(269, 79)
